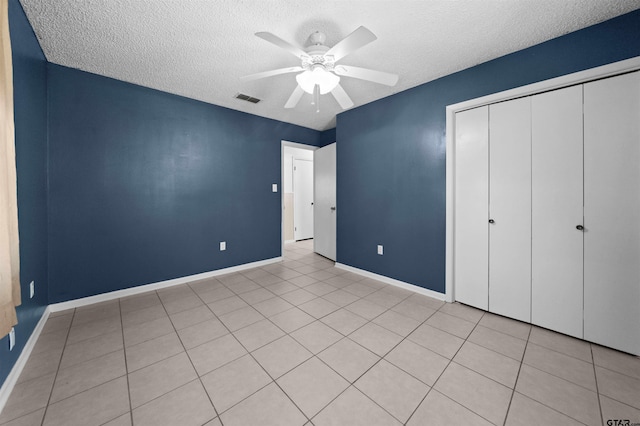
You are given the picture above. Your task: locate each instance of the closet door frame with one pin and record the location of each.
(604, 71)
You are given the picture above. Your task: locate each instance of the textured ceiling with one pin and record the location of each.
(200, 48)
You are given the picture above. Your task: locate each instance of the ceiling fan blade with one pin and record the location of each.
(271, 73)
(296, 51)
(294, 98)
(341, 96)
(354, 41)
(367, 74)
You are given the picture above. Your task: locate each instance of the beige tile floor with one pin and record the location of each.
(301, 342)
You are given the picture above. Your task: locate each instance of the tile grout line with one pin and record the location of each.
(445, 369)
(199, 378)
(126, 364)
(380, 357)
(255, 360)
(274, 380)
(293, 368)
(561, 378)
(436, 380)
(543, 371)
(595, 375)
(517, 378)
(366, 371)
(319, 319)
(387, 353)
(66, 339)
(79, 363)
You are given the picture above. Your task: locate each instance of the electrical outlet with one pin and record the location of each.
(380, 250)
(32, 289)
(12, 338)
(223, 245)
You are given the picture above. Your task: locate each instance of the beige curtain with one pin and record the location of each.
(9, 253)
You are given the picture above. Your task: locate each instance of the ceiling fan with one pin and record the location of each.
(318, 72)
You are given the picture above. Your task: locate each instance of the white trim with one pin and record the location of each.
(14, 374)
(604, 71)
(156, 286)
(394, 282)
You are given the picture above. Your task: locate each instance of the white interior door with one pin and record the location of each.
(302, 199)
(510, 209)
(557, 209)
(471, 263)
(324, 179)
(612, 212)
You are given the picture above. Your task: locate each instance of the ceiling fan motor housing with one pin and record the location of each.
(316, 57)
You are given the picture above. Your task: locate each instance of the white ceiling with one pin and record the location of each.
(200, 48)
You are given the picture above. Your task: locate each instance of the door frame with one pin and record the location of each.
(609, 70)
(283, 144)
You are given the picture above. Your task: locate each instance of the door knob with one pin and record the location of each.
(579, 227)
(333, 208)
(492, 221)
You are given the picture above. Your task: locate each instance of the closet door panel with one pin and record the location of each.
(510, 209)
(612, 212)
(471, 208)
(557, 208)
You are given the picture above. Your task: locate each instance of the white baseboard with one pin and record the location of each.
(12, 378)
(104, 297)
(394, 282)
(289, 241)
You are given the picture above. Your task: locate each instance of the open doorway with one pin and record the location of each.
(309, 197)
(297, 192)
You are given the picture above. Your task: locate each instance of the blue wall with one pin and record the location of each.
(30, 92)
(391, 153)
(327, 137)
(143, 185)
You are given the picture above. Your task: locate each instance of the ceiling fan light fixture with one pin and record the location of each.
(327, 81)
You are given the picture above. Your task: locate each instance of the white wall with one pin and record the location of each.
(289, 154)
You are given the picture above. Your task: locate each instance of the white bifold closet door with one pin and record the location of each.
(510, 209)
(612, 212)
(471, 263)
(557, 211)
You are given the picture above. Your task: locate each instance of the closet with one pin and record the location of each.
(547, 210)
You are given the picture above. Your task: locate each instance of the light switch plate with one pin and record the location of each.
(223, 245)
(274, 187)
(32, 289)
(380, 251)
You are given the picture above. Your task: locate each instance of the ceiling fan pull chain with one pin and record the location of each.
(316, 97)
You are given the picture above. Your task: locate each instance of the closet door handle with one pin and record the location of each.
(579, 227)
(492, 221)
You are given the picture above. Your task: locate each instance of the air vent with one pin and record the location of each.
(247, 98)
